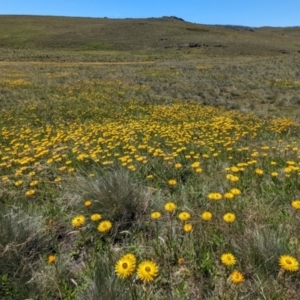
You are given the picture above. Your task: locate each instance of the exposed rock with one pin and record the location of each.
(283, 51)
(194, 45)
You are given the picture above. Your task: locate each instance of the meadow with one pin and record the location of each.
(149, 175)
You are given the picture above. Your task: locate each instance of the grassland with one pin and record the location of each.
(192, 154)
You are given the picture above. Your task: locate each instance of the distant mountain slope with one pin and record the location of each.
(44, 32)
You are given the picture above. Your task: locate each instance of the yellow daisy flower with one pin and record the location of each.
(96, 217)
(236, 277)
(229, 217)
(155, 215)
(228, 196)
(188, 227)
(78, 221)
(125, 266)
(228, 259)
(30, 193)
(235, 191)
(87, 203)
(206, 216)
(184, 216)
(296, 204)
(288, 263)
(104, 226)
(259, 171)
(51, 259)
(147, 271)
(215, 196)
(172, 182)
(170, 206)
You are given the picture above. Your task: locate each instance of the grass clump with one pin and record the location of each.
(115, 195)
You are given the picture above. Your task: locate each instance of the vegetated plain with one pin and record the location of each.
(183, 137)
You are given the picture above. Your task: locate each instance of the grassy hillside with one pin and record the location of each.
(32, 32)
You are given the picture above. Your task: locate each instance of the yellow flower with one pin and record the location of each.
(228, 195)
(229, 217)
(236, 277)
(155, 215)
(172, 182)
(4, 178)
(125, 266)
(18, 183)
(215, 196)
(51, 259)
(184, 216)
(235, 191)
(232, 178)
(206, 216)
(259, 171)
(104, 226)
(296, 204)
(228, 259)
(234, 169)
(147, 271)
(87, 203)
(96, 217)
(170, 206)
(30, 193)
(288, 263)
(78, 221)
(274, 174)
(180, 260)
(34, 183)
(178, 166)
(149, 176)
(188, 227)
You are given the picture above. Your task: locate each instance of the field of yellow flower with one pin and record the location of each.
(106, 193)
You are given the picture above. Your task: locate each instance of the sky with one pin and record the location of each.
(253, 13)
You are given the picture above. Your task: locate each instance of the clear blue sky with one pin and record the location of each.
(237, 12)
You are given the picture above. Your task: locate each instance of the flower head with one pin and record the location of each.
(147, 271)
(184, 216)
(96, 217)
(30, 193)
(155, 215)
(187, 227)
(170, 206)
(228, 259)
(215, 196)
(235, 191)
(259, 171)
(87, 203)
(78, 221)
(296, 204)
(104, 226)
(125, 266)
(172, 182)
(288, 263)
(229, 217)
(180, 260)
(206, 216)
(236, 277)
(229, 195)
(51, 259)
